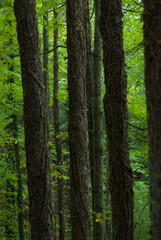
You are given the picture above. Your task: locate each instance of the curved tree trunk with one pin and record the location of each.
(35, 121)
(115, 106)
(152, 52)
(76, 47)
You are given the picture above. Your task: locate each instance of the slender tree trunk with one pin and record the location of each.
(19, 176)
(152, 52)
(108, 202)
(76, 47)
(35, 121)
(14, 164)
(14, 152)
(90, 104)
(46, 62)
(57, 137)
(115, 106)
(98, 148)
(10, 197)
(10, 232)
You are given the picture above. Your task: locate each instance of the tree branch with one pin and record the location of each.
(139, 128)
(138, 3)
(54, 49)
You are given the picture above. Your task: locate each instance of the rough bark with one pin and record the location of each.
(35, 121)
(152, 52)
(89, 92)
(57, 137)
(76, 47)
(46, 62)
(98, 148)
(107, 202)
(115, 106)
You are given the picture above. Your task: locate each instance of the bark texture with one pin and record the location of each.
(35, 119)
(152, 52)
(98, 147)
(57, 137)
(115, 106)
(76, 47)
(46, 63)
(107, 202)
(90, 103)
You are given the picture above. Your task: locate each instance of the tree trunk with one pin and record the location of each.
(14, 163)
(35, 121)
(152, 52)
(19, 177)
(46, 63)
(76, 47)
(57, 137)
(115, 106)
(10, 232)
(98, 148)
(90, 104)
(108, 202)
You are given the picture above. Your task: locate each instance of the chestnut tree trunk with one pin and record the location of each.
(152, 52)
(115, 106)
(98, 146)
(35, 121)
(76, 47)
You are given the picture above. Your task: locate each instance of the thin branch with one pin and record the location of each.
(141, 214)
(61, 6)
(14, 55)
(130, 10)
(57, 8)
(135, 116)
(92, 13)
(139, 128)
(138, 3)
(54, 49)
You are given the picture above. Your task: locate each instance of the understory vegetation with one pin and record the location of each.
(14, 199)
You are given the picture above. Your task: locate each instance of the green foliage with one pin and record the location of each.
(10, 68)
(138, 135)
(142, 211)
